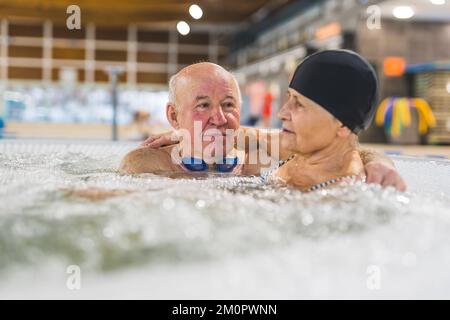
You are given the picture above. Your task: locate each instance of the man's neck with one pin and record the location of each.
(192, 153)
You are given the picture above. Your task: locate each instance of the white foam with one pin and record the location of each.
(214, 238)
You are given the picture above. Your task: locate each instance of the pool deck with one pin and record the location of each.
(435, 152)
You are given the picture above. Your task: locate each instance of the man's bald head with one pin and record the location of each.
(203, 71)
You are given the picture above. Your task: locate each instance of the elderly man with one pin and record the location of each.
(208, 96)
(204, 104)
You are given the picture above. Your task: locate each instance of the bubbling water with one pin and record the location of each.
(209, 219)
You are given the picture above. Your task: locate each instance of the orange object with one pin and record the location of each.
(394, 66)
(267, 109)
(328, 31)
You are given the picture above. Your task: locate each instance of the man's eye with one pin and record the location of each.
(203, 106)
(228, 105)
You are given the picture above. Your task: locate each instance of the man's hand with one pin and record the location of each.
(384, 174)
(381, 170)
(159, 140)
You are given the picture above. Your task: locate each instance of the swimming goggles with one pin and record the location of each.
(199, 165)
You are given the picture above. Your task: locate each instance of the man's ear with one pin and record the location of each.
(171, 114)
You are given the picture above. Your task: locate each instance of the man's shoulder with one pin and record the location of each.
(145, 160)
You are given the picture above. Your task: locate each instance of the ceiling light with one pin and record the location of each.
(195, 11)
(183, 28)
(438, 2)
(403, 12)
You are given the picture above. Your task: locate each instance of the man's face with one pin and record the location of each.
(211, 103)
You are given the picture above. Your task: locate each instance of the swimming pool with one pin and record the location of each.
(224, 238)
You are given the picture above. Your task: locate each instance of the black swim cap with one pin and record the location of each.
(343, 83)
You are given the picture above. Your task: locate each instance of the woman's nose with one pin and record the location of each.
(283, 114)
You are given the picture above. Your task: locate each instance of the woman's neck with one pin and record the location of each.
(334, 156)
(340, 158)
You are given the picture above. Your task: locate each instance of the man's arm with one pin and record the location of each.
(156, 141)
(370, 155)
(95, 194)
(136, 161)
(380, 169)
(264, 139)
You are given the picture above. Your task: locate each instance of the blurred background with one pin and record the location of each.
(98, 70)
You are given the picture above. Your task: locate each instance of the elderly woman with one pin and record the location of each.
(331, 98)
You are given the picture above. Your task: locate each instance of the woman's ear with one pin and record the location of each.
(343, 131)
(171, 114)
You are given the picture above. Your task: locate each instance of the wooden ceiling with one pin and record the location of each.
(141, 12)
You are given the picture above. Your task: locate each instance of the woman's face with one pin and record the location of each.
(307, 127)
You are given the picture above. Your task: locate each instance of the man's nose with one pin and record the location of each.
(218, 117)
